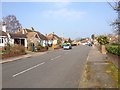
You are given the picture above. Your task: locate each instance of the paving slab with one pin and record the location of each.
(95, 75)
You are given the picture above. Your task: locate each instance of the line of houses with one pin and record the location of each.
(25, 36)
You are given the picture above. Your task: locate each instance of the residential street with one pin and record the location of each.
(54, 69)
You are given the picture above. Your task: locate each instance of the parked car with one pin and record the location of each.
(67, 46)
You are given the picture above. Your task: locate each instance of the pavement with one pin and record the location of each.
(95, 74)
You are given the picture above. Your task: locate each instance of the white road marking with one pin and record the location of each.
(66, 53)
(56, 57)
(28, 69)
(52, 59)
(87, 58)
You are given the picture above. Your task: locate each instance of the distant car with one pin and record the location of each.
(67, 46)
(84, 43)
(89, 44)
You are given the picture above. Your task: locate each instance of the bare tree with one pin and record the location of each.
(12, 24)
(116, 23)
(0, 25)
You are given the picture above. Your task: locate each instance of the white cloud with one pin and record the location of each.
(61, 4)
(64, 13)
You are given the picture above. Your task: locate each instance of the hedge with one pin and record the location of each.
(114, 49)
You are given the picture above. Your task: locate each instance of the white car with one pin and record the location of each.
(67, 46)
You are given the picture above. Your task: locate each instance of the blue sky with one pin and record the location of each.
(67, 19)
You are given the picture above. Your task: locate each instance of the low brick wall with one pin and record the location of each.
(113, 58)
(10, 55)
(2, 48)
(42, 50)
(57, 48)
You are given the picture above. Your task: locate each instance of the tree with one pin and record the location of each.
(32, 29)
(12, 24)
(116, 23)
(93, 36)
(69, 40)
(103, 40)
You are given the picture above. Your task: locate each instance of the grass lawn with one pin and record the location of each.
(4, 52)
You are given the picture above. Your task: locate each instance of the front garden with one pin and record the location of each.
(12, 51)
(36, 47)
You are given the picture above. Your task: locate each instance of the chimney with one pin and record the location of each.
(52, 32)
(4, 27)
(23, 31)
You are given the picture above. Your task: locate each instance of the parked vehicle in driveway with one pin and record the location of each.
(67, 46)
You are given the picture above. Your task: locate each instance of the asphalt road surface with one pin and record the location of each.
(55, 69)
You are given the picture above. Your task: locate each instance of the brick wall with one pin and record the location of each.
(1, 48)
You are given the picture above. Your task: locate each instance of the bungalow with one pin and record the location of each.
(113, 38)
(64, 39)
(19, 39)
(11, 38)
(34, 37)
(53, 39)
(3, 39)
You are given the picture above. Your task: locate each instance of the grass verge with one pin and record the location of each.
(114, 72)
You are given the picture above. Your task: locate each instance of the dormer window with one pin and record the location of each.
(36, 36)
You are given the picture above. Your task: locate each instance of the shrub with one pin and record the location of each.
(30, 46)
(46, 47)
(39, 47)
(22, 49)
(115, 43)
(17, 49)
(114, 49)
(7, 47)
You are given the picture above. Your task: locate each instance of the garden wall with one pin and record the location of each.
(114, 59)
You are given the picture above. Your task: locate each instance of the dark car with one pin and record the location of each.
(89, 44)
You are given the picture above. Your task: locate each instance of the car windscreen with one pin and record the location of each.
(67, 45)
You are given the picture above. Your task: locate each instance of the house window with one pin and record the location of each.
(1, 40)
(36, 36)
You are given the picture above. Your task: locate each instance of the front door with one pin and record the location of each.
(23, 42)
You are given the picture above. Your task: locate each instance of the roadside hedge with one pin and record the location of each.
(114, 49)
